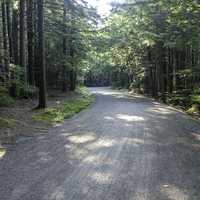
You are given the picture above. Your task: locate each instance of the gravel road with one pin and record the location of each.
(121, 148)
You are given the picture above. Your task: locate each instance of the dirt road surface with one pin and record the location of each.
(121, 148)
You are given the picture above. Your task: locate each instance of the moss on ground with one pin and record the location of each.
(5, 99)
(7, 123)
(194, 109)
(66, 109)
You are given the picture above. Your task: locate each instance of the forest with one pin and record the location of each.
(150, 47)
(43, 44)
(99, 99)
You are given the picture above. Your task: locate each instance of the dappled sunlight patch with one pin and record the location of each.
(92, 159)
(123, 96)
(68, 146)
(58, 194)
(161, 110)
(156, 103)
(196, 147)
(136, 95)
(83, 138)
(196, 136)
(173, 192)
(44, 156)
(128, 125)
(141, 195)
(136, 140)
(2, 152)
(102, 142)
(109, 118)
(101, 177)
(66, 134)
(130, 118)
(58, 102)
(107, 92)
(76, 152)
(57, 125)
(79, 153)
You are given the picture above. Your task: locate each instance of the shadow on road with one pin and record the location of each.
(123, 148)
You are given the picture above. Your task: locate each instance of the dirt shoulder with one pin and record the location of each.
(17, 120)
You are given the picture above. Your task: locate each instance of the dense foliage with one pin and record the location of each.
(152, 47)
(43, 43)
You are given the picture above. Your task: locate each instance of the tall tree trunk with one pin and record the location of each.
(161, 67)
(30, 39)
(9, 28)
(5, 42)
(174, 69)
(41, 56)
(64, 75)
(1, 46)
(71, 52)
(15, 36)
(35, 39)
(168, 70)
(22, 40)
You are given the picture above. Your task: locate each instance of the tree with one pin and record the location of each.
(5, 43)
(41, 56)
(15, 36)
(23, 40)
(9, 28)
(31, 45)
(151, 47)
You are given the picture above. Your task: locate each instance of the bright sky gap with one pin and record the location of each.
(103, 6)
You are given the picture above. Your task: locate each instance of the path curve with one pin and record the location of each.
(121, 148)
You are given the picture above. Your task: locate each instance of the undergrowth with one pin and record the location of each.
(7, 123)
(67, 109)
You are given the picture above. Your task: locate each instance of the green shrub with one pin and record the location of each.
(195, 99)
(28, 92)
(17, 86)
(7, 123)
(19, 90)
(67, 109)
(3, 90)
(6, 100)
(196, 91)
(177, 99)
(195, 108)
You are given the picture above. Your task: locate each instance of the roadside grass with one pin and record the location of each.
(5, 99)
(2, 152)
(65, 110)
(7, 123)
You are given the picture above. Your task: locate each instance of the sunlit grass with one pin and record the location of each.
(66, 110)
(193, 109)
(2, 152)
(7, 123)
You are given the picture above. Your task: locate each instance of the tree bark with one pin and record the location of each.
(22, 40)
(30, 38)
(8, 15)
(174, 70)
(64, 75)
(41, 56)
(15, 36)
(5, 42)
